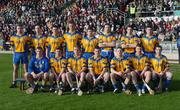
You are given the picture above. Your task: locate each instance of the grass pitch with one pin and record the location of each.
(13, 99)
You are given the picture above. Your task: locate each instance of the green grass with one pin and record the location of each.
(13, 99)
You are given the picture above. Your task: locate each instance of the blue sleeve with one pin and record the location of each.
(31, 66)
(46, 66)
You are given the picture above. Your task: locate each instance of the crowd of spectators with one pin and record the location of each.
(85, 13)
(152, 7)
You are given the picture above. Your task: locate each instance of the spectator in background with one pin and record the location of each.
(178, 44)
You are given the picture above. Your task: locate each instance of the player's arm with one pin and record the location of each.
(90, 67)
(64, 65)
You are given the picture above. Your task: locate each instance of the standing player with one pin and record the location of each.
(98, 70)
(38, 69)
(160, 67)
(72, 38)
(89, 42)
(76, 69)
(141, 68)
(20, 42)
(149, 41)
(120, 68)
(106, 42)
(38, 40)
(129, 43)
(58, 69)
(53, 41)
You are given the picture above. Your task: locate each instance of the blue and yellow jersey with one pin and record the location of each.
(108, 39)
(58, 64)
(119, 65)
(97, 64)
(149, 44)
(72, 40)
(53, 42)
(77, 64)
(89, 44)
(139, 62)
(130, 40)
(159, 64)
(20, 43)
(39, 42)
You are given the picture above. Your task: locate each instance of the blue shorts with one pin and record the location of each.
(69, 54)
(128, 55)
(20, 57)
(149, 54)
(107, 54)
(87, 55)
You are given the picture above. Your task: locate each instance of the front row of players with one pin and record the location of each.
(97, 71)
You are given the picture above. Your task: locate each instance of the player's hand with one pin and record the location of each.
(161, 74)
(119, 73)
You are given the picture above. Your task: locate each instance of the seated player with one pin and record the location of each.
(38, 69)
(160, 68)
(140, 64)
(58, 70)
(98, 70)
(119, 69)
(76, 69)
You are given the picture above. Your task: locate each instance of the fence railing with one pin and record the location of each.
(169, 47)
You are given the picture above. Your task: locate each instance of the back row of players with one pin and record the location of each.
(86, 58)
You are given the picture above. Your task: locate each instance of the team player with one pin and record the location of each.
(120, 69)
(160, 68)
(89, 42)
(53, 41)
(77, 66)
(141, 66)
(38, 69)
(38, 40)
(129, 42)
(58, 69)
(72, 38)
(149, 41)
(98, 74)
(106, 42)
(20, 43)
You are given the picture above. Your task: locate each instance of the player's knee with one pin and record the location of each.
(112, 75)
(45, 76)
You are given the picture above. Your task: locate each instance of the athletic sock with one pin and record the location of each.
(167, 83)
(136, 86)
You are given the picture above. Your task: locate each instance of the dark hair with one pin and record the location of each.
(59, 48)
(139, 45)
(159, 46)
(19, 24)
(39, 48)
(55, 25)
(97, 47)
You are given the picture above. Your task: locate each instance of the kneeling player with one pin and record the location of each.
(58, 70)
(38, 69)
(98, 70)
(119, 69)
(141, 68)
(76, 69)
(160, 68)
